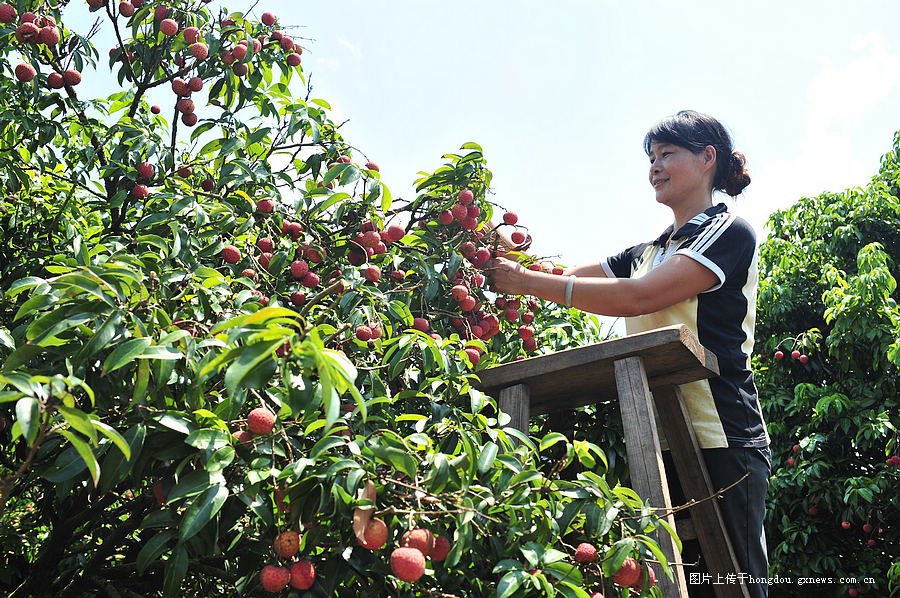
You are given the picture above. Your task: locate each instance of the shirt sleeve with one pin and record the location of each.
(621, 265)
(725, 245)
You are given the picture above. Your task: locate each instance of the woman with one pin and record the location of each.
(700, 272)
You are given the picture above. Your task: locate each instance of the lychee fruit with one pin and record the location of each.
(363, 333)
(640, 580)
(372, 273)
(510, 218)
(268, 19)
(265, 244)
(55, 81)
(191, 35)
(25, 72)
(303, 575)
(49, 36)
(420, 539)
(298, 298)
(140, 191)
(311, 280)
(145, 171)
(421, 324)
(274, 578)
(230, 253)
(585, 553)
(7, 13)
(441, 549)
(628, 573)
(287, 544)
(473, 355)
(466, 197)
(299, 269)
(169, 27)
(244, 437)
(408, 563)
(261, 421)
(199, 51)
(375, 535)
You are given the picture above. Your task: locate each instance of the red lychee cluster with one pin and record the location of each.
(465, 212)
(795, 354)
(183, 88)
(408, 558)
(631, 574)
(239, 56)
(300, 575)
(260, 422)
(38, 30)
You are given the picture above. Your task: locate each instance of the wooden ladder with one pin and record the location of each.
(641, 370)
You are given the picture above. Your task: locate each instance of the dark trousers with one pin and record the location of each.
(743, 509)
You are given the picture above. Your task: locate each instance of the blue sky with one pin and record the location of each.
(561, 94)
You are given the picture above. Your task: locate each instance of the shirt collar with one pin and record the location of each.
(691, 225)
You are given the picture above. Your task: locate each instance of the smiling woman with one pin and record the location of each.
(701, 272)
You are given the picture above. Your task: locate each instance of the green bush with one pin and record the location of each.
(151, 299)
(828, 291)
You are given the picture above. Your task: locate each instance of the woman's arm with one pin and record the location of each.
(679, 278)
(586, 270)
(506, 242)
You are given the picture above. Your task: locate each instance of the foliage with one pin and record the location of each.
(153, 295)
(828, 291)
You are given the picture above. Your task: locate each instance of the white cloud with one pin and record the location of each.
(843, 135)
(332, 64)
(354, 49)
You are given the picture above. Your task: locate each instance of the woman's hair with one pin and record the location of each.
(694, 131)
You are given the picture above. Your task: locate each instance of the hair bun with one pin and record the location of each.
(737, 177)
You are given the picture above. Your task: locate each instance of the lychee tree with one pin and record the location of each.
(828, 351)
(232, 363)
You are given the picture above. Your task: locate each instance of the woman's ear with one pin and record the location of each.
(709, 156)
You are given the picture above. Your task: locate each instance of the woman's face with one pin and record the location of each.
(677, 174)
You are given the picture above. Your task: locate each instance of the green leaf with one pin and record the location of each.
(176, 569)
(202, 510)
(386, 198)
(85, 452)
(487, 457)
(210, 439)
(28, 417)
(101, 338)
(79, 420)
(551, 439)
(510, 583)
(569, 590)
(192, 484)
(249, 357)
(114, 436)
(47, 328)
(397, 458)
(176, 422)
(28, 283)
(153, 549)
(614, 558)
(125, 353)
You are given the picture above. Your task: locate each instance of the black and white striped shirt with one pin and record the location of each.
(725, 411)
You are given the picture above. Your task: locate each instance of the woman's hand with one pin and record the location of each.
(508, 277)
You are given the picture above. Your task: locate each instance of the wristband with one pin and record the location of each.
(570, 284)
